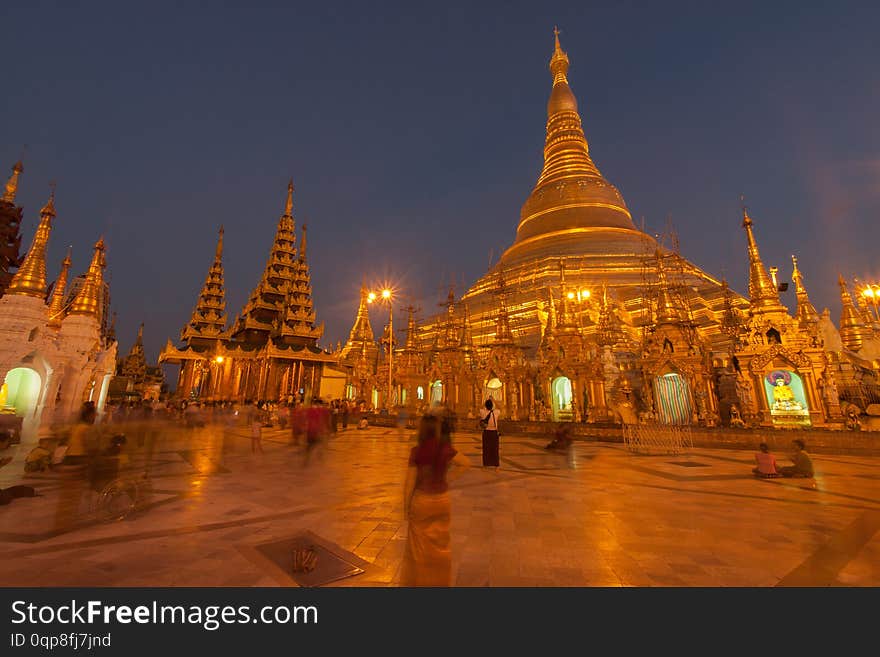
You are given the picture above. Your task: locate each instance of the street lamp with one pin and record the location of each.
(386, 295)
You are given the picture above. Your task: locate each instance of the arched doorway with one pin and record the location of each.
(436, 393)
(494, 390)
(22, 391)
(560, 393)
(420, 393)
(672, 398)
(374, 399)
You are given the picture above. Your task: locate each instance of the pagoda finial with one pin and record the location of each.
(288, 208)
(763, 294)
(302, 246)
(219, 253)
(140, 337)
(12, 184)
(853, 331)
(559, 61)
(88, 299)
(56, 301)
(30, 279)
(49, 208)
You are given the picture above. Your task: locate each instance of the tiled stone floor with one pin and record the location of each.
(604, 518)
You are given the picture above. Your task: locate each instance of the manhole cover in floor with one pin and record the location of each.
(310, 560)
(689, 464)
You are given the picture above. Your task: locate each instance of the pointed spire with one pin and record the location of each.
(604, 327)
(571, 193)
(302, 245)
(12, 184)
(281, 308)
(208, 319)
(134, 365)
(361, 338)
(411, 344)
(56, 301)
(806, 312)
(853, 331)
(564, 319)
(467, 336)
(30, 279)
(88, 300)
(288, 207)
(763, 294)
(49, 208)
(551, 316)
(559, 64)
(667, 310)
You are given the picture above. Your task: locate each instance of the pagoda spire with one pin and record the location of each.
(763, 294)
(503, 333)
(302, 246)
(281, 308)
(467, 336)
(806, 312)
(30, 279)
(361, 339)
(12, 183)
(411, 344)
(209, 316)
(135, 364)
(89, 298)
(56, 301)
(571, 194)
(853, 331)
(668, 312)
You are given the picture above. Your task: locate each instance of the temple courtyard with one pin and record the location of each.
(214, 514)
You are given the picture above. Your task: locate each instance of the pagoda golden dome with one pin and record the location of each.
(572, 207)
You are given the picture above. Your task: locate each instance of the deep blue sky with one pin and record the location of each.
(414, 133)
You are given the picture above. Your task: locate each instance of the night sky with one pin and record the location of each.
(414, 134)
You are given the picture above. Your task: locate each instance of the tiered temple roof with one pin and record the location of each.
(209, 317)
(280, 308)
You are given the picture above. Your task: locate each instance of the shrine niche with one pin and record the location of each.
(786, 398)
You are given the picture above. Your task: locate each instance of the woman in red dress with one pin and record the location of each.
(427, 507)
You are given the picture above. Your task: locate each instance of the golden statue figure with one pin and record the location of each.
(783, 395)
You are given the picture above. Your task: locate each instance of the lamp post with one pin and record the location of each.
(386, 296)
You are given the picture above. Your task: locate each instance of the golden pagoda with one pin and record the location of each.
(56, 301)
(89, 299)
(10, 229)
(30, 279)
(853, 331)
(575, 215)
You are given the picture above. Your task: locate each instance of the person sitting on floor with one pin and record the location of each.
(803, 464)
(766, 462)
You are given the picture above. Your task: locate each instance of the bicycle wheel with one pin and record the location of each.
(116, 500)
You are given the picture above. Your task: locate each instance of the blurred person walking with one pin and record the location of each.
(256, 420)
(427, 507)
(317, 427)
